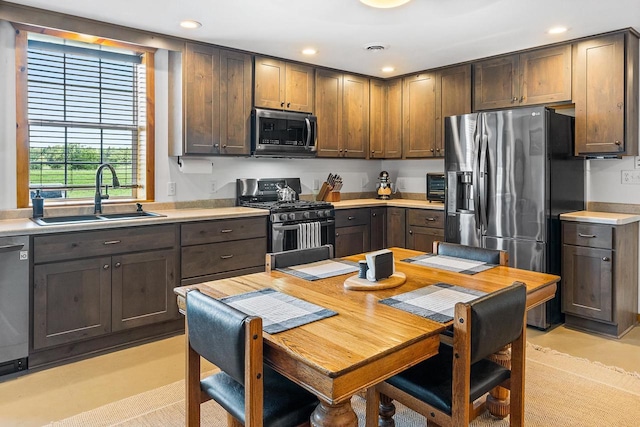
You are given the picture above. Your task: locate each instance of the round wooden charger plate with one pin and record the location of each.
(355, 284)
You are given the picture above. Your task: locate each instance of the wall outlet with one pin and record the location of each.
(363, 182)
(213, 186)
(636, 162)
(631, 177)
(171, 188)
(316, 184)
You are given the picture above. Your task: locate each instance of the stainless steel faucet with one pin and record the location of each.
(99, 196)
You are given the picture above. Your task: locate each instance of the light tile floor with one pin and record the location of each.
(40, 397)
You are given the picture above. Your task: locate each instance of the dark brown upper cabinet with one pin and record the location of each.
(216, 101)
(453, 98)
(606, 95)
(385, 119)
(342, 108)
(283, 85)
(541, 76)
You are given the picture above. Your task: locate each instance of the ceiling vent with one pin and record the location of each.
(375, 47)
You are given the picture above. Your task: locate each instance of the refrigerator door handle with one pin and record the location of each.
(483, 178)
(476, 172)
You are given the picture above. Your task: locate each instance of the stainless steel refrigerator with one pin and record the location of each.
(509, 175)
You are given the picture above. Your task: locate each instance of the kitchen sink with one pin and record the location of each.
(75, 219)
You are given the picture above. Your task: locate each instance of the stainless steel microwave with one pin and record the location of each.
(435, 187)
(283, 133)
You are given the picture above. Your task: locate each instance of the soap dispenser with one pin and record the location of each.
(38, 205)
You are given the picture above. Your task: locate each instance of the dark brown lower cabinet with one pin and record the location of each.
(600, 277)
(396, 224)
(142, 288)
(378, 233)
(353, 231)
(423, 228)
(71, 301)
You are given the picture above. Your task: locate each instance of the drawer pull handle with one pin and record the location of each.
(226, 256)
(112, 242)
(351, 217)
(105, 267)
(117, 265)
(410, 231)
(590, 236)
(430, 218)
(226, 230)
(606, 258)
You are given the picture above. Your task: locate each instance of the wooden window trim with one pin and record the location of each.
(22, 114)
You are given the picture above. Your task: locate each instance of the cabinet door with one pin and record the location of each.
(235, 103)
(599, 96)
(422, 238)
(352, 240)
(545, 76)
(269, 83)
(587, 289)
(71, 301)
(393, 120)
(201, 99)
(378, 229)
(496, 83)
(355, 115)
(377, 122)
(396, 227)
(299, 85)
(328, 109)
(142, 288)
(419, 111)
(453, 97)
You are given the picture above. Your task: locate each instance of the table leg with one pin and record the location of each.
(341, 415)
(498, 399)
(192, 385)
(387, 411)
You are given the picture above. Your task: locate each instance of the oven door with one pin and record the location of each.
(286, 236)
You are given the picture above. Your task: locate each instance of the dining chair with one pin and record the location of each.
(297, 256)
(253, 394)
(490, 256)
(443, 388)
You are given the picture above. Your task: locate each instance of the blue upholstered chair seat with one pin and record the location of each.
(285, 403)
(430, 381)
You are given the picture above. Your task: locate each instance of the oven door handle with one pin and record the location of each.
(281, 227)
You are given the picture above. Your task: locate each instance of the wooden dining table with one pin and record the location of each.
(367, 342)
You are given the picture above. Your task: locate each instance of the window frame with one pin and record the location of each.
(22, 114)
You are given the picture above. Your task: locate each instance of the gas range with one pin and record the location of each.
(262, 194)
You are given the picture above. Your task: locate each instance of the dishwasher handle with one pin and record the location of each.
(11, 248)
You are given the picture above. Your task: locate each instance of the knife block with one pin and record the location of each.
(332, 196)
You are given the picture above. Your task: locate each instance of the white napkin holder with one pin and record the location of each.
(380, 265)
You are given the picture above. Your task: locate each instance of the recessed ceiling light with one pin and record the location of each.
(557, 30)
(190, 24)
(309, 51)
(388, 69)
(384, 4)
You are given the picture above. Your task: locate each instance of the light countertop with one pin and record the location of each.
(398, 203)
(14, 227)
(600, 217)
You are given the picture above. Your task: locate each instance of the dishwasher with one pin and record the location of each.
(14, 303)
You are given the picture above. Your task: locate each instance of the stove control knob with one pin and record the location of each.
(327, 213)
(320, 214)
(283, 217)
(306, 215)
(292, 216)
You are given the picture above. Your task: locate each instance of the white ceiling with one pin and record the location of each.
(420, 35)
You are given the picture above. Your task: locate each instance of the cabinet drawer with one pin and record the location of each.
(107, 242)
(351, 217)
(223, 230)
(214, 258)
(591, 235)
(425, 218)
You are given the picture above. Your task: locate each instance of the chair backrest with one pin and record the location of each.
(490, 256)
(297, 257)
(217, 332)
(494, 320)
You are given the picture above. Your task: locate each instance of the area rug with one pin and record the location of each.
(561, 390)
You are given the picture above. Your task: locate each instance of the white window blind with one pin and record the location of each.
(86, 106)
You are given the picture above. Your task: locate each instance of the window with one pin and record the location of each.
(86, 104)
